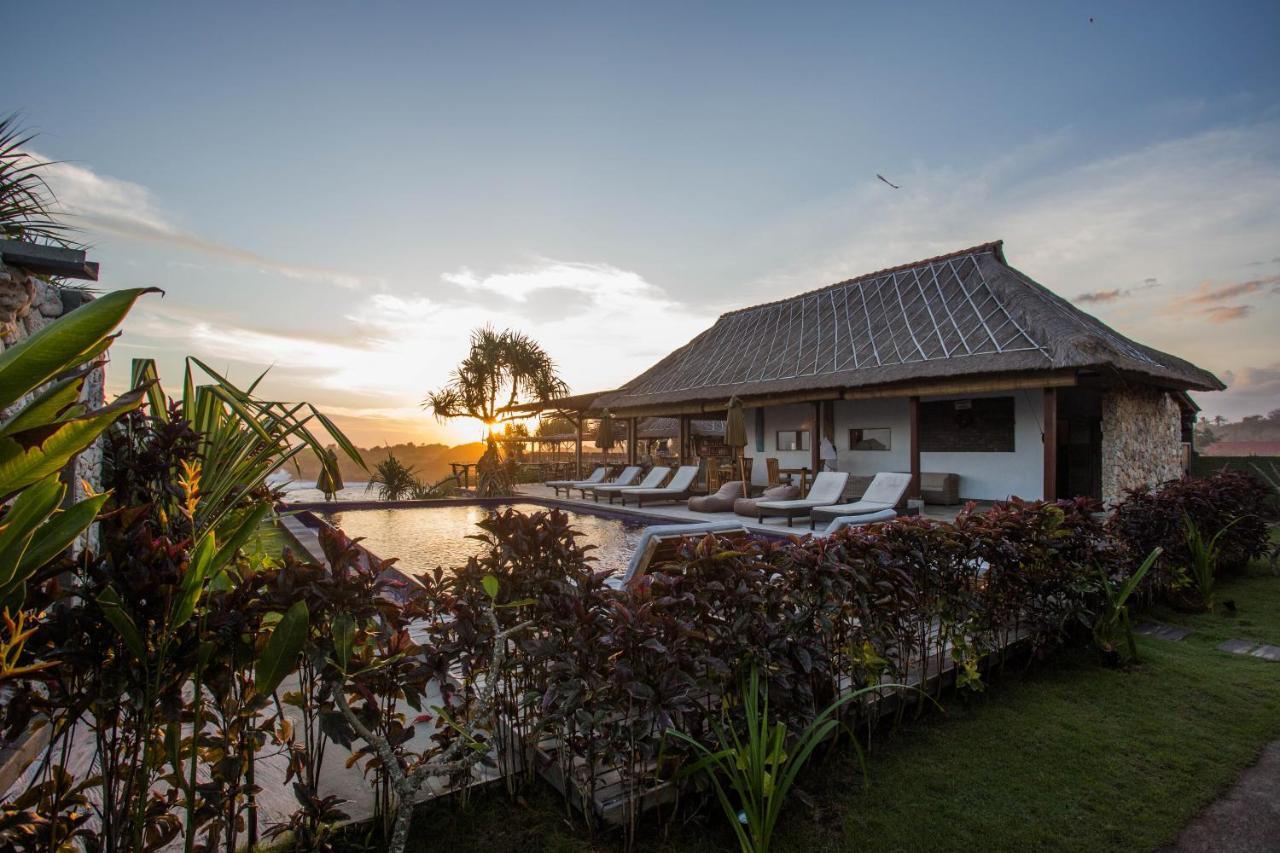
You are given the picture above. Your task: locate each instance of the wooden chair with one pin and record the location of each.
(712, 466)
(771, 466)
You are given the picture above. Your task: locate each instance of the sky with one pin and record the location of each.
(342, 191)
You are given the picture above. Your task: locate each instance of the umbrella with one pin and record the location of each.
(604, 434)
(735, 436)
(330, 480)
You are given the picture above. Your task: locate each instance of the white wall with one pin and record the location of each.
(799, 416)
(999, 476)
(983, 476)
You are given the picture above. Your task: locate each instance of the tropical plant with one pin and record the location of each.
(41, 380)
(1196, 584)
(1112, 623)
(394, 480)
(759, 765)
(26, 201)
(242, 439)
(501, 371)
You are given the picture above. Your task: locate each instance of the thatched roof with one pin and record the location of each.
(964, 314)
(646, 428)
(670, 428)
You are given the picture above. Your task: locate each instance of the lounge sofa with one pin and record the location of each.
(721, 501)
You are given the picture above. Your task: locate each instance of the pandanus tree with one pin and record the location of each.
(502, 370)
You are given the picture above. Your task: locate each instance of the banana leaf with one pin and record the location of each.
(32, 454)
(63, 344)
(58, 401)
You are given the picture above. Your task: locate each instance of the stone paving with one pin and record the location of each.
(1161, 631)
(1246, 819)
(1258, 650)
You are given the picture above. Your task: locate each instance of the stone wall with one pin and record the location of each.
(28, 303)
(1141, 440)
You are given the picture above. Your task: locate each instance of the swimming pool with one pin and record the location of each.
(424, 537)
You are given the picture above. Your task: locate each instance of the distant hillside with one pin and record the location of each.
(1255, 435)
(430, 461)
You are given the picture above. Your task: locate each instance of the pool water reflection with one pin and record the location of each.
(425, 537)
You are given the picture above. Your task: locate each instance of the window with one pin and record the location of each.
(871, 438)
(983, 425)
(793, 439)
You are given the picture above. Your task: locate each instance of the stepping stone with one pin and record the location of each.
(1237, 647)
(1162, 632)
(1271, 653)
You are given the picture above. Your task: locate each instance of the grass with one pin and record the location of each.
(1070, 756)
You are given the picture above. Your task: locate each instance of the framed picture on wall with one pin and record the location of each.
(871, 438)
(792, 439)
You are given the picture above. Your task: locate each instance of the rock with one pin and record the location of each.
(34, 321)
(49, 299)
(16, 295)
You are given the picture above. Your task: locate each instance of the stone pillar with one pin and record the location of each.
(1141, 440)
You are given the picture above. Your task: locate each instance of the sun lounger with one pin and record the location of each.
(677, 490)
(827, 489)
(611, 490)
(843, 521)
(747, 506)
(721, 501)
(597, 476)
(884, 493)
(659, 544)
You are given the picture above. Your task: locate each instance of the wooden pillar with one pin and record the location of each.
(632, 455)
(815, 439)
(1050, 438)
(577, 444)
(913, 445)
(683, 439)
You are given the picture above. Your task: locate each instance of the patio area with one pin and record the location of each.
(679, 511)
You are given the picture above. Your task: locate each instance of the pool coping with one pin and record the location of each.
(328, 507)
(305, 518)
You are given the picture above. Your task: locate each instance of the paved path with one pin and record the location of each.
(1246, 819)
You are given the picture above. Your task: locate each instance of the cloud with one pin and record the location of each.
(1102, 296)
(1250, 391)
(1206, 299)
(381, 356)
(1116, 293)
(1176, 212)
(125, 209)
(1208, 294)
(1220, 314)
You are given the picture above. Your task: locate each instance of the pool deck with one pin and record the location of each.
(679, 512)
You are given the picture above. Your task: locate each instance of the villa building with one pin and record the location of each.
(955, 364)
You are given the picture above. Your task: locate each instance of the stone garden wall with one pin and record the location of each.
(28, 303)
(1141, 440)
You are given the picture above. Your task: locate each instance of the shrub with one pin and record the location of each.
(1228, 501)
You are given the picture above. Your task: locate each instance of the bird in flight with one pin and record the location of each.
(887, 181)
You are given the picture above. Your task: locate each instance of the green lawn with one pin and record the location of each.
(1071, 756)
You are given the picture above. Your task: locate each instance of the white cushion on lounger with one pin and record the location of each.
(655, 476)
(681, 480)
(662, 531)
(597, 476)
(858, 520)
(884, 493)
(827, 488)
